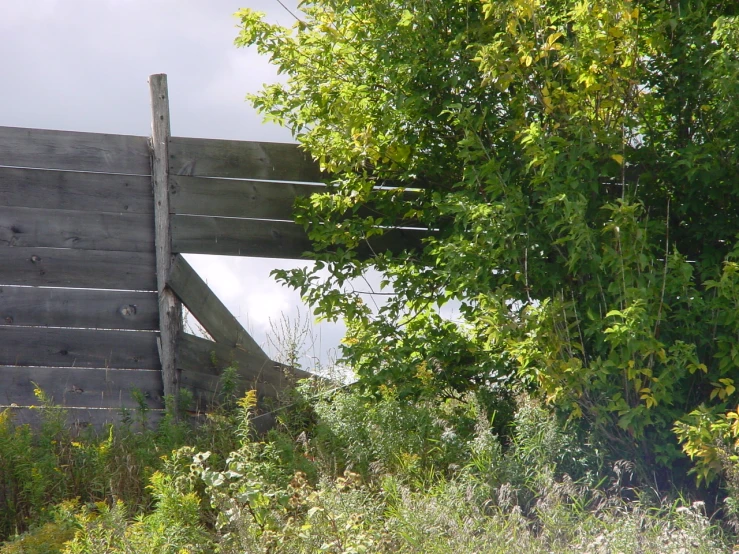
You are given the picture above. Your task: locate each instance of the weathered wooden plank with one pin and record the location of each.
(204, 356)
(208, 309)
(62, 267)
(55, 347)
(48, 149)
(207, 390)
(97, 309)
(72, 229)
(69, 190)
(247, 199)
(170, 309)
(235, 198)
(80, 388)
(239, 159)
(268, 239)
(84, 420)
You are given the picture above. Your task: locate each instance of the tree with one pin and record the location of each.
(575, 166)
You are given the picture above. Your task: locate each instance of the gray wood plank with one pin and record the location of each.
(247, 199)
(56, 347)
(207, 389)
(62, 267)
(245, 160)
(85, 420)
(69, 190)
(234, 198)
(204, 356)
(268, 239)
(208, 309)
(49, 149)
(80, 388)
(73, 229)
(97, 309)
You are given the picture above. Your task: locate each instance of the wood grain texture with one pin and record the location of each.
(269, 239)
(205, 356)
(239, 159)
(80, 388)
(49, 149)
(248, 199)
(207, 389)
(234, 198)
(238, 237)
(55, 347)
(96, 309)
(170, 309)
(31, 227)
(68, 190)
(54, 267)
(208, 309)
(85, 420)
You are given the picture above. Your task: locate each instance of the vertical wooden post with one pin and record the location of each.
(170, 308)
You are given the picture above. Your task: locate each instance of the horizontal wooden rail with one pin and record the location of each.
(99, 309)
(54, 267)
(57, 347)
(249, 199)
(269, 239)
(32, 227)
(234, 198)
(239, 159)
(70, 190)
(80, 388)
(48, 149)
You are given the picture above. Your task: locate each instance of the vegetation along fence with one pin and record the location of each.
(92, 228)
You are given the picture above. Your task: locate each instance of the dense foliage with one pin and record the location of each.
(575, 164)
(353, 481)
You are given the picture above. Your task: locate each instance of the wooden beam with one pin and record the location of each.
(239, 159)
(205, 306)
(96, 309)
(170, 309)
(249, 199)
(54, 267)
(235, 198)
(47, 149)
(81, 388)
(70, 190)
(55, 347)
(269, 239)
(32, 227)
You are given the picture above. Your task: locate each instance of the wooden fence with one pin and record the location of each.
(92, 228)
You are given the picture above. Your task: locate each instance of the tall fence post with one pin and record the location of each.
(170, 308)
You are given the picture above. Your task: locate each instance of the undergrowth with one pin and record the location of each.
(341, 473)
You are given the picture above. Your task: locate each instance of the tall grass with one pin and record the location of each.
(343, 473)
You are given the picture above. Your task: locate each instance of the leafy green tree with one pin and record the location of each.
(574, 165)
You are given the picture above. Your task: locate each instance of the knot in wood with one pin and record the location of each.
(129, 310)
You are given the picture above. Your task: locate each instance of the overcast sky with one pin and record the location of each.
(83, 65)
